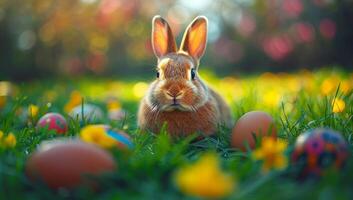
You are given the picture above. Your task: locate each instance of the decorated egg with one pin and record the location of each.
(122, 138)
(318, 150)
(53, 121)
(68, 163)
(116, 114)
(254, 123)
(86, 112)
(106, 137)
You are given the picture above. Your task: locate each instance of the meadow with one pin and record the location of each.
(298, 101)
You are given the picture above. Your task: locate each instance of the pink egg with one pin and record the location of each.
(53, 121)
(68, 163)
(254, 123)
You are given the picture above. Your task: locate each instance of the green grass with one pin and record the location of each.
(146, 172)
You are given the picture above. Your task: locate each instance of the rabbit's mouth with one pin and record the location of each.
(175, 107)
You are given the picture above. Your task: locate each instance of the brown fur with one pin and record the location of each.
(180, 122)
(187, 105)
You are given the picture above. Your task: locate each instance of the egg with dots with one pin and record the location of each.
(317, 151)
(68, 163)
(53, 121)
(254, 123)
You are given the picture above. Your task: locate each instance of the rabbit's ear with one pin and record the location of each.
(163, 41)
(195, 38)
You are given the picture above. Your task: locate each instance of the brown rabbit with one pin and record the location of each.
(178, 96)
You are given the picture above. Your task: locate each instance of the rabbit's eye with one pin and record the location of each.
(157, 74)
(193, 74)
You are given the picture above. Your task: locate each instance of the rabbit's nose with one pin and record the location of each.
(174, 92)
(174, 95)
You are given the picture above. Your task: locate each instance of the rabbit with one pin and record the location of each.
(178, 96)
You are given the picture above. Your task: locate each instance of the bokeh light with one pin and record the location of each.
(44, 38)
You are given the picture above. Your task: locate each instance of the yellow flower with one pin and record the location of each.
(33, 110)
(345, 87)
(204, 178)
(272, 98)
(113, 105)
(50, 95)
(2, 101)
(9, 140)
(96, 134)
(338, 105)
(140, 89)
(6, 88)
(329, 85)
(75, 100)
(271, 153)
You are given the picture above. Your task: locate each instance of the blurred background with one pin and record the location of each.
(48, 38)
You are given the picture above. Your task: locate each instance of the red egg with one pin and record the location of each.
(53, 121)
(66, 163)
(254, 122)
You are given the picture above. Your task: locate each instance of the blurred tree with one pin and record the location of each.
(41, 38)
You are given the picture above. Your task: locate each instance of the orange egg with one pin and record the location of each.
(64, 163)
(254, 122)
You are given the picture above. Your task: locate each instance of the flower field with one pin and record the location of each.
(156, 166)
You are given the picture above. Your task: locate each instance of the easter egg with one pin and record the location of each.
(106, 137)
(53, 121)
(256, 123)
(68, 163)
(116, 114)
(318, 150)
(123, 139)
(86, 112)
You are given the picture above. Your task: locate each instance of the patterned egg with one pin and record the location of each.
(53, 121)
(105, 136)
(123, 139)
(318, 150)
